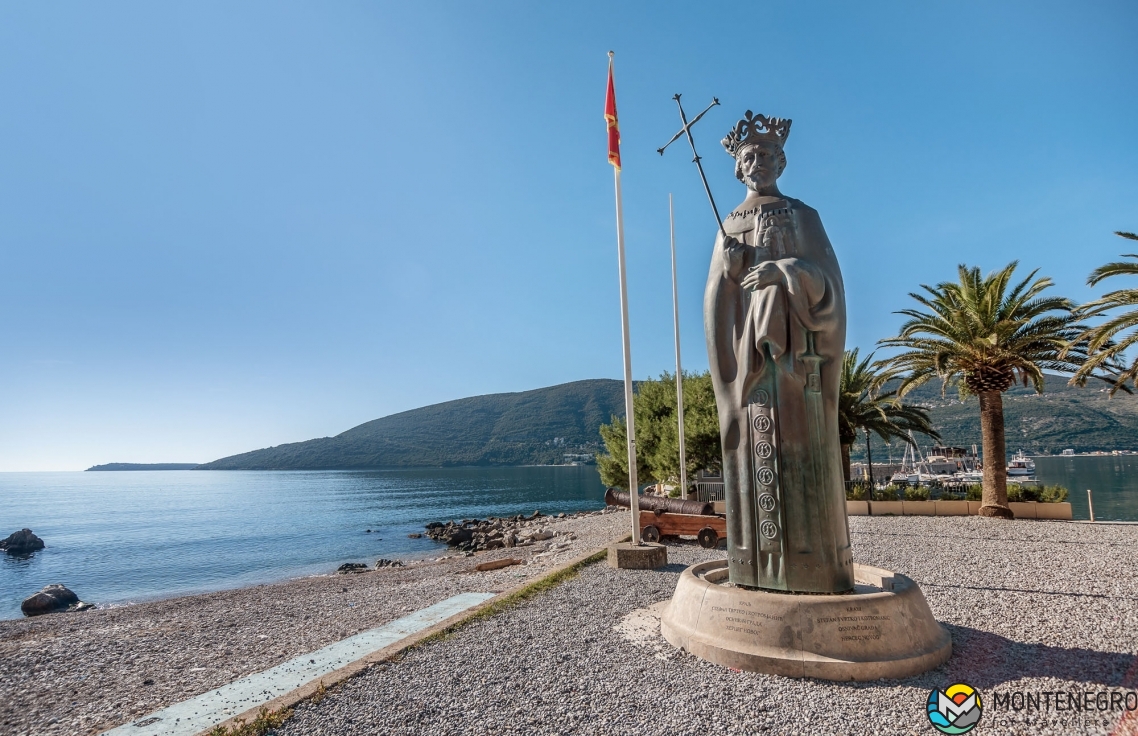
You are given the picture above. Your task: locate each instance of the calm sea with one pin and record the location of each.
(1113, 479)
(119, 537)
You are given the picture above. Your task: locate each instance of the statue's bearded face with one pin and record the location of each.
(759, 166)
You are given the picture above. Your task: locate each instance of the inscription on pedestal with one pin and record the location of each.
(854, 624)
(743, 620)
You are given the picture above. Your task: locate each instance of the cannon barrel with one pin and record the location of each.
(613, 497)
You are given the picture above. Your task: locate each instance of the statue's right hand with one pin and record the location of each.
(734, 256)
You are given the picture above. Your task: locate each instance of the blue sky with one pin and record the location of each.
(225, 226)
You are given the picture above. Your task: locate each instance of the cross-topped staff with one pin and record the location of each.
(686, 130)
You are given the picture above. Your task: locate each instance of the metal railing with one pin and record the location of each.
(708, 491)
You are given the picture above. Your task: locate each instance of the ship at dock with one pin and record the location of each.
(1021, 465)
(943, 464)
(946, 465)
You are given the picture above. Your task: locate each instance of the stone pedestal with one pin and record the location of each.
(645, 556)
(884, 628)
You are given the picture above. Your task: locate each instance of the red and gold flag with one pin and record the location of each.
(610, 118)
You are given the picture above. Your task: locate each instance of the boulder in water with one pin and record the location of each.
(21, 543)
(53, 599)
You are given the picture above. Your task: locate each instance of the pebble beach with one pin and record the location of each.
(82, 673)
(1031, 606)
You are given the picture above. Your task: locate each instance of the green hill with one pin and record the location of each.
(542, 426)
(1083, 419)
(525, 428)
(144, 466)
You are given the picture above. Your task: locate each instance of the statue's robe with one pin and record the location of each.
(776, 356)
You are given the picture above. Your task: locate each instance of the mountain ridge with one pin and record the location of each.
(542, 426)
(1062, 417)
(535, 427)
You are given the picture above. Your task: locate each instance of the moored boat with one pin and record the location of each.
(1021, 464)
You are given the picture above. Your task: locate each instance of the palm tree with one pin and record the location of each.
(983, 335)
(863, 405)
(1104, 352)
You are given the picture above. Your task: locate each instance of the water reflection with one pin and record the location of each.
(1112, 478)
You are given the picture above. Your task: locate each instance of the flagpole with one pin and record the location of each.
(629, 414)
(630, 417)
(679, 368)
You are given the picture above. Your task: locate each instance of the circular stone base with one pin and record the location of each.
(882, 629)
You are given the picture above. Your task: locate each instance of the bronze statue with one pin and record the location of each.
(775, 320)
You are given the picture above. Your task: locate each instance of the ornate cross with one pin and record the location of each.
(686, 130)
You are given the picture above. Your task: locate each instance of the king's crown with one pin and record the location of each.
(754, 129)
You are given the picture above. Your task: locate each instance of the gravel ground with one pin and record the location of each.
(81, 673)
(1032, 606)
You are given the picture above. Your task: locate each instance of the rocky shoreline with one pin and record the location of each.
(496, 532)
(82, 674)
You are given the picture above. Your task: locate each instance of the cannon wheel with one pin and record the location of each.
(650, 534)
(708, 539)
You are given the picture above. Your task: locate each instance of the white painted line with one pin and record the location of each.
(198, 714)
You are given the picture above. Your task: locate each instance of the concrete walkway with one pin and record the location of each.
(199, 714)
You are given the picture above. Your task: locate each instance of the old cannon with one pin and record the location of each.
(672, 517)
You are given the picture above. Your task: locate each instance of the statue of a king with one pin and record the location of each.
(775, 320)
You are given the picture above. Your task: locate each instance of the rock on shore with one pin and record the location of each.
(53, 599)
(21, 543)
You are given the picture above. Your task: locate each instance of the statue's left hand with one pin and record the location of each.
(764, 274)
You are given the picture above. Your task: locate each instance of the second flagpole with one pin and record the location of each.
(679, 367)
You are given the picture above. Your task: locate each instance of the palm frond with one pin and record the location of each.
(989, 325)
(1114, 268)
(864, 404)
